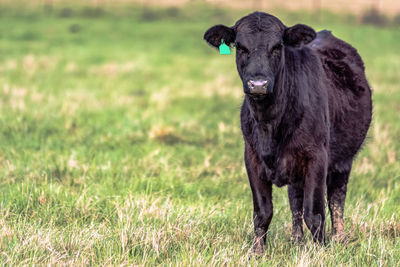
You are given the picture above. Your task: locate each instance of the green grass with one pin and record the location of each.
(120, 144)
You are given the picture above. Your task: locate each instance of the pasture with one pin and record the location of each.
(120, 143)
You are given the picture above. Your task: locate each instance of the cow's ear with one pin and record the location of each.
(298, 34)
(217, 33)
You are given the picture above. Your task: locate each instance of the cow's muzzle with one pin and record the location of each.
(257, 87)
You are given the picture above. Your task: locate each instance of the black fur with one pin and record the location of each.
(307, 131)
(217, 33)
(298, 34)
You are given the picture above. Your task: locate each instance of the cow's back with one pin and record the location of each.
(350, 105)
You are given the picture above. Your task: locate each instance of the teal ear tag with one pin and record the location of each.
(224, 49)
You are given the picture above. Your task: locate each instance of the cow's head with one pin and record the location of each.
(260, 40)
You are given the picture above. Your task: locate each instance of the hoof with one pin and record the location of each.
(340, 238)
(258, 246)
(296, 239)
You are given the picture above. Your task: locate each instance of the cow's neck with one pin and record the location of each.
(273, 114)
(277, 118)
(264, 112)
(275, 122)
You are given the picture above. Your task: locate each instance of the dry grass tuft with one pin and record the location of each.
(161, 132)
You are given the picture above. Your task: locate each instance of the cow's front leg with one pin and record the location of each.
(314, 195)
(262, 197)
(296, 206)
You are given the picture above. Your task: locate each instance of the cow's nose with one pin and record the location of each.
(258, 87)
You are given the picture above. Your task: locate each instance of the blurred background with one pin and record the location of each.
(120, 140)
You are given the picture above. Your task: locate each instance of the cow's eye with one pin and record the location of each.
(276, 48)
(241, 48)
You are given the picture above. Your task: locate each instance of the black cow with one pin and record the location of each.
(306, 112)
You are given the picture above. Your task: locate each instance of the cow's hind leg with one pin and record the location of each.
(337, 188)
(262, 198)
(296, 206)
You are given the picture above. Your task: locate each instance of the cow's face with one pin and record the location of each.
(260, 40)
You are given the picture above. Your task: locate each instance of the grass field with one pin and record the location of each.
(120, 144)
